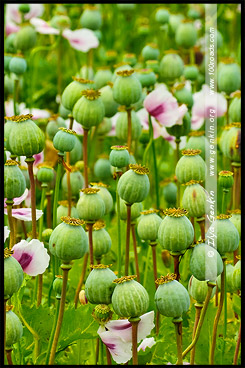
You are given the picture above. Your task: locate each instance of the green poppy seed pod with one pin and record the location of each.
(134, 185)
(104, 127)
(13, 274)
(183, 95)
(230, 287)
(226, 180)
(99, 285)
(198, 140)
(89, 110)
(153, 65)
(45, 173)
(14, 328)
(148, 225)
(76, 153)
(235, 107)
(9, 43)
(25, 38)
(150, 52)
(90, 206)
(230, 142)
(205, 263)
(130, 59)
(127, 88)
(144, 136)
(120, 67)
(162, 16)
(17, 65)
(175, 232)
(227, 234)
(236, 277)
(136, 208)
(64, 113)
(194, 199)
(109, 103)
(57, 286)
(76, 182)
(105, 195)
(46, 234)
(24, 8)
(171, 67)
(181, 130)
(122, 126)
(68, 240)
(171, 297)
(62, 210)
(53, 126)
(194, 13)
(190, 166)
(64, 140)
(102, 77)
(119, 156)
(102, 169)
(86, 72)
(14, 180)
(26, 139)
(170, 193)
(129, 298)
(101, 240)
(236, 219)
(229, 78)
(73, 91)
(60, 22)
(102, 313)
(91, 18)
(198, 289)
(146, 77)
(186, 35)
(191, 72)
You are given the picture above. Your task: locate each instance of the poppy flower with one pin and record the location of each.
(23, 214)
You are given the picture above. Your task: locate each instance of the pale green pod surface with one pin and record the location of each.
(148, 226)
(88, 112)
(90, 207)
(102, 169)
(120, 68)
(76, 181)
(130, 299)
(119, 157)
(205, 263)
(236, 277)
(64, 141)
(200, 142)
(175, 233)
(14, 180)
(109, 103)
(62, 210)
(104, 127)
(101, 242)
(102, 76)
(72, 93)
(76, 153)
(190, 168)
(172, 299)
(25, 38)
(231, 144)
(122, 126)
(8, 126)
(133, 187)
(136, 208)
(13, 276)
(14, 329)
(227, 235)
(235, 110)
(236, 220)
(229, 78)
(194, 200)
(99, 286)
(171, 67)
(106, 196)
(186, 35)
(230, 286)
(68, 242)
(127, 90)
(198, 289)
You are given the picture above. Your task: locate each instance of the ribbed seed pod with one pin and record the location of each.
(13, 274)
(194, 199)
(183, 95)
(136, 208)
(122, 125)
(14, 328)
(55, 122)
(76, 181)
(119, 156)
(102, 169)
(105, 195)
(64, 140)
(175, 232)
(205, 263)
(186, 35)
(236, 277)
(148, 225)
(199, 141)
(171, 67)
(236, 219)
(102, 77)
(230, 286)
(14, 180)
(62, 210)
(76, 153)
(109, 103)
(171, 297)
(230, 142)
(235, 107)
(101, 240)
(190, 166)
(99, 285)
(129, 298)
(45, 173)
(198, 289)
(127, 88)
(90, 206)
(73, 91)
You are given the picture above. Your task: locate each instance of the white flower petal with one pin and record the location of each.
(82, 39)
(24, 214)
(121, 328)
(148, 342)
(145, 325)
(6, 233)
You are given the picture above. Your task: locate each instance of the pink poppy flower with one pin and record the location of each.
(203, 102)
(117, 336)
(82, 39)
(23, 214)
(11, 28)
(13, 13)
(161, 104)
(37, 113)
(33, 256)
(143, 116)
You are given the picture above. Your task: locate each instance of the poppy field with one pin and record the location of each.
(122, 184)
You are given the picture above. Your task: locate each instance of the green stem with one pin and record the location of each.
(237, 346)
(57, 188)
(135, 252)
(146, 266)
(101, 352)
(40, 230)
(178, 332)
(225, 320)
(53, 330)
(30, 161)
(129, 129)
(224, 200)
(65, 268)
(79, 286)
(53, 257)
(97, 350)
(154, 163)
(90, 238)
(200, 323)
(16, 84)
(198, 308)
(9, 204)
(119, 251)
(217, 316)
(127, 238)
(85, 156)
(177, 141)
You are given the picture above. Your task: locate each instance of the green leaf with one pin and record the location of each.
(236, 304)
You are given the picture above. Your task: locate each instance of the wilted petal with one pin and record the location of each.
(148, 342)
(24, 214)
(81, 39)
(120, 350)
(43, 27)
(162, 106)
(6, 233)
(33, 256)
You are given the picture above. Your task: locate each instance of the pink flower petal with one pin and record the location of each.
(143, 116)
(24, 214)
(18, 200)
(37, 113)
(76, 126)
(33, 256)
(148, 342)
(36, 10)
(81, 39)
(43, 27)
(11, 28)
(182, 111)
(39, 157)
